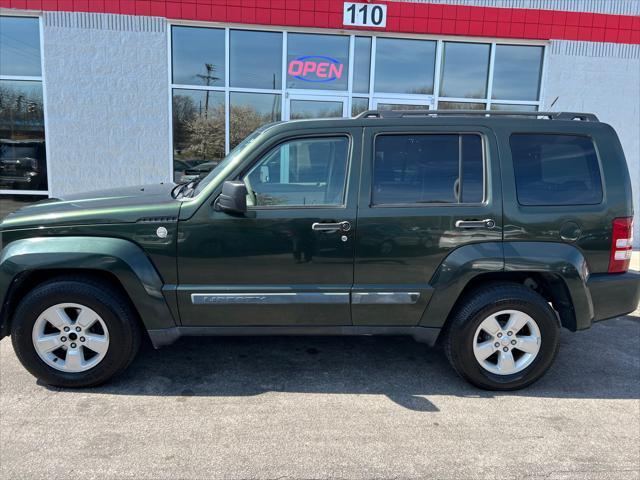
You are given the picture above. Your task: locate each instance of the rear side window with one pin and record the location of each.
(556, 170)
(428, 168)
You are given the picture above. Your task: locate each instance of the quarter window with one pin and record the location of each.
(414, 169)
(306, 171)
(556, 170)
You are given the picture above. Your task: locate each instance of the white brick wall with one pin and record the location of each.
(605, 80)
(107, 101)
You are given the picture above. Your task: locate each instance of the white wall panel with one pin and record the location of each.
(106, 94)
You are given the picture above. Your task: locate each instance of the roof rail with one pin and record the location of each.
(585, 117)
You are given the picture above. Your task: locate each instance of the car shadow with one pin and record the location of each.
(603, 362)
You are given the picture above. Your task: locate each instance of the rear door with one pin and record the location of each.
(424, 193)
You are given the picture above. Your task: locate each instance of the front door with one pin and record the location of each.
(289, 259)
(304, 106)
(425, 191)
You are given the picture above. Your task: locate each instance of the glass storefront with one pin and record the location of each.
(227, 82)
(23, 159)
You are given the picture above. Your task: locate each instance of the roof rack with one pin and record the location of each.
(584, 117)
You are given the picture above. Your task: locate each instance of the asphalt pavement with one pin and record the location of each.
(329, 408)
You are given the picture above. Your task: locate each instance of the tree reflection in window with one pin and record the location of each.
(198, 132)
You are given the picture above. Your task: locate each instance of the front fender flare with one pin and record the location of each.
(121, 258)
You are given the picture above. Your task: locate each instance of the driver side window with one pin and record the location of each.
(304, 171)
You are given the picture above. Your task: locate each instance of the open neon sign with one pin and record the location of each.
(316, 68)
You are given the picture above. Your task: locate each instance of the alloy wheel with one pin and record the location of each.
(70, 337)
(507, 342)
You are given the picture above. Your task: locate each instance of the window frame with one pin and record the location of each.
(558, 205)
(485, 176)
(41, 79)
(268, 149)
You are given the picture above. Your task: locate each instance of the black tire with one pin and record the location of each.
(474, 308)
(116, 312)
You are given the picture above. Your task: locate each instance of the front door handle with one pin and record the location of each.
(331, 227)
(486, 223)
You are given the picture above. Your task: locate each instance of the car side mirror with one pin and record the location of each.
(233, 198)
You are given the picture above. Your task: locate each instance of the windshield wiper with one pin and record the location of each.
(178, 189)
(185, 190)
(191, 188)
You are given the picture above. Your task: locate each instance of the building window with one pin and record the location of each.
(446, 105)
(20, 46)
(359, 105)
(23, 159)
(301, 109)
(405, 66)
(515, 84)
(317, 62)
(248, 111)
(465, 69)
(516, 73)
(198, 132)
(255, 59)
(506, 107)
(198, 56)
(362, 64)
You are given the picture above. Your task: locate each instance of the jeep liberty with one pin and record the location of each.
(482, 232)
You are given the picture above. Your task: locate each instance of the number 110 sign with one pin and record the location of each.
(364, 15)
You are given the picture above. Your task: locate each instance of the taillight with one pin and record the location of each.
(621, 245)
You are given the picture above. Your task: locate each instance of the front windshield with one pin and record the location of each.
(229, 158)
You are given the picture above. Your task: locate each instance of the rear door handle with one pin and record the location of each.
(331, 227)
(486, 223)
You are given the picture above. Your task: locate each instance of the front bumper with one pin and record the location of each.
(614, 294)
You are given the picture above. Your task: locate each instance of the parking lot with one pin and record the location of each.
(329, 408)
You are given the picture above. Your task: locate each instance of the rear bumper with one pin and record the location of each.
(614, 294)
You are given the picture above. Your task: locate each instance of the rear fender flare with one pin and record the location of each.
(454, 273)
(465, 263)
(562, 260)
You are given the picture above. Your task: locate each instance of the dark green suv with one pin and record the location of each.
(482, 232)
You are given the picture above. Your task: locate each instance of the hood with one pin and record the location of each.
(121, 205)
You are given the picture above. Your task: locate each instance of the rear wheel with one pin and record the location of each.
(75, 332)
(502, 337)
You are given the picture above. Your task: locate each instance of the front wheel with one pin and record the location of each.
(75, 332)
(502, 337)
